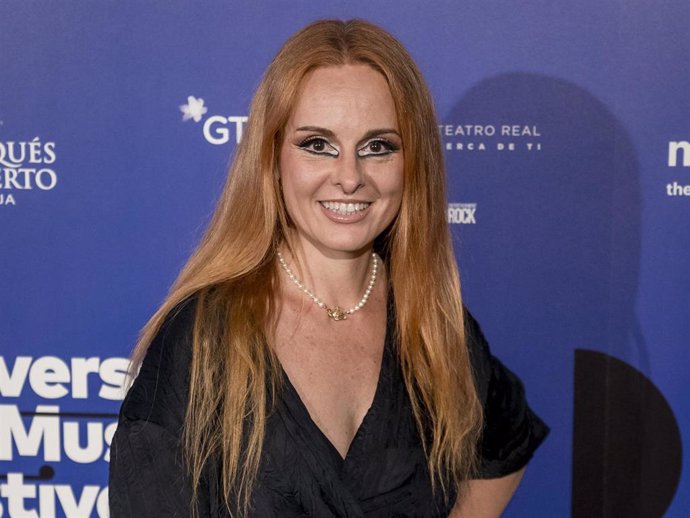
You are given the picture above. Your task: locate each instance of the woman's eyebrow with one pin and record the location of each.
(369, 134)
(377, 132)
(317, 129)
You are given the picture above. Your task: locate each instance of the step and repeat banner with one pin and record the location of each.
(566, 129)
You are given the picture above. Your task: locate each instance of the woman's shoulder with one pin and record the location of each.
(160, 389)
(512, 431)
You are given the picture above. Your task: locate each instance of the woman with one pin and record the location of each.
(313, 357)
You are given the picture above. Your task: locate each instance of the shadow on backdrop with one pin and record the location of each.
(553, 260)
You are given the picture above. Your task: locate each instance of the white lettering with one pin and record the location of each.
(3, 155)
(24, 178)
(677, 189)
(113, 372)
(108, 436)
(14, 154)
(11, 383)
(34, 151)
(49, 150)
(46, 502)
(467, 130)
(516, 130)
(73, 508)
(681, 148)
(81, 368)
(47, 377)
(44, 429)
(216, 132)
(239, 126)
(94, 442)
(221, 134)
(102, 505)
(17, 492)
(11, 178)
(7, 199)
(40, 180)
(462, 213)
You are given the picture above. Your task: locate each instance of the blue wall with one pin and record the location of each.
(572, 228)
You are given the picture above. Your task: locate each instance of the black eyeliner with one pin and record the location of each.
(392, 147)
(304, 143)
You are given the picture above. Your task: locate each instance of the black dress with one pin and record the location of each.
(302, 474)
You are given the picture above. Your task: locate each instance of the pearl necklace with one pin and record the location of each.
(336, 313)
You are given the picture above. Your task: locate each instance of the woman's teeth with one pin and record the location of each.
(344, 209)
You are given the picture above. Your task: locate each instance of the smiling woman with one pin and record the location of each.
(258, 393)
(341, 162)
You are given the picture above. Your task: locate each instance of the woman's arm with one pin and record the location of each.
(511, 432)
(148, 477)
(487, 498)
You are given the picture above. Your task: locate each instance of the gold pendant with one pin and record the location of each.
(337, 313)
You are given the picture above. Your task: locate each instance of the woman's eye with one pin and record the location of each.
(318, 146)
(377, 147)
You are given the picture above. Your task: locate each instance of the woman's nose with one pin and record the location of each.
(348, 173)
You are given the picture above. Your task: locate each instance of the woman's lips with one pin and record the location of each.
(345, 212)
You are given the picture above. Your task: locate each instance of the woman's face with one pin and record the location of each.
(341, 160)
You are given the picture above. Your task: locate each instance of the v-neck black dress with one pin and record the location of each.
(302, 474)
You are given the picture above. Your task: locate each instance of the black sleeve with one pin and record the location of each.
(147, 474)
(512, 431)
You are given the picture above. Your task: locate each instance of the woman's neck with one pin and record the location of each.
(337, 279)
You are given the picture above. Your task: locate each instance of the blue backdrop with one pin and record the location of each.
(566, 128)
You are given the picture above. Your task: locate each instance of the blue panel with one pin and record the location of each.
(572, 229)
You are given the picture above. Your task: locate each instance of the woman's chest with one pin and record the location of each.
(335, 373)
(383, 474)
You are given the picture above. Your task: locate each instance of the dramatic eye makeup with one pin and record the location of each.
(318, 146)
(377, 147)
(375, 143)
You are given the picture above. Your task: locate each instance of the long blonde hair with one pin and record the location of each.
(234, 373)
